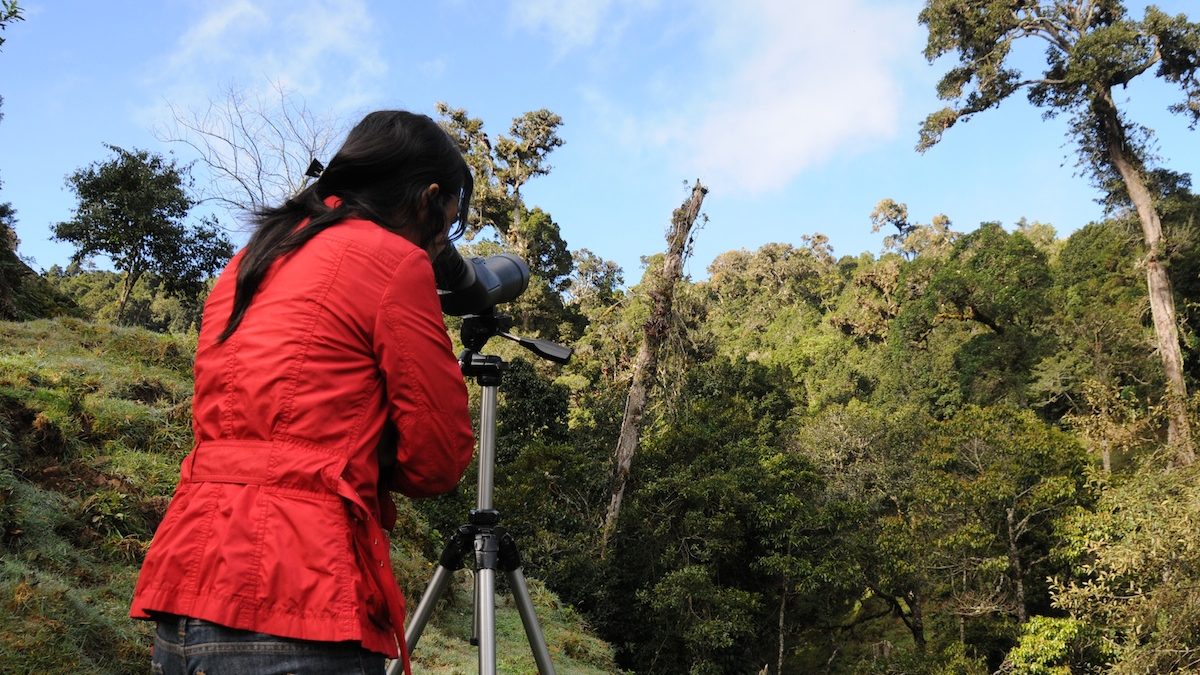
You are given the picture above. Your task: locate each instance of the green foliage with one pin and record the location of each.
(98, 294)
(998, 480)
(911, 239)
(1055, 646)
(767, 307)
(993, 285)
(1134, 573)
(502, 169)
(1178, 44)
(1099, 301)
(870, 299)
(24, 294)
(10, 12)
(723, 531)
(595, 283)
(1091, 47)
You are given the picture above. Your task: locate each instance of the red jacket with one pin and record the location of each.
(276, 524)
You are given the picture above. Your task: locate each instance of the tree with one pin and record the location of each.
(132, 209)
(721, 554)
(594, 282)
(1092, 47)
(522, 155)
(911, 239)
(10, 268)
(256, 146)
(1098, 311)
(997, 281)
(998, 478)
(501, 169)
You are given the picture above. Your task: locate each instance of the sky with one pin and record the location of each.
(798, 115)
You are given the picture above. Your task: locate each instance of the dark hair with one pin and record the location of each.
(380, 173)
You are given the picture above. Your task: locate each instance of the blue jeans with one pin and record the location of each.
(185, 646)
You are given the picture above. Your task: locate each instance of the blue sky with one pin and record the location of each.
(799, 115)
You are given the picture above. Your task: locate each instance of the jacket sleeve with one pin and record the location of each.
(426, 395)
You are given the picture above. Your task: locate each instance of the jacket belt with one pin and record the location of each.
(309, 467)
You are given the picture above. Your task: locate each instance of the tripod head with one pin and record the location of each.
(477, 329)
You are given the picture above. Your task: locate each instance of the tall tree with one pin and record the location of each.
(132, 208)
(644, 368)
(594, 281)
(502, 168)
(1092, 47)
(522, 155)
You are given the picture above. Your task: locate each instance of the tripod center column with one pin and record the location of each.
(487, 446)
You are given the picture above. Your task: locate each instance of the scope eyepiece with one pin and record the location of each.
(478, 284)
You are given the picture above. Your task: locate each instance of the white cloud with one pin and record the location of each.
(576, 24)
(568, 24)
(215, 34)
(322, 50)
(807, 81)
(771, 88)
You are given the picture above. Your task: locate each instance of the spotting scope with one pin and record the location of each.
(475, 285)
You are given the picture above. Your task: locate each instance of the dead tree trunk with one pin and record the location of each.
(656, 327)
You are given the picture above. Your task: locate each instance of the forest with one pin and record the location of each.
(969, 452)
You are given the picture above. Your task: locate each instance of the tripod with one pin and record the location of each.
(494, 548)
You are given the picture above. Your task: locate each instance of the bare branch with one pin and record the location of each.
(254, 147)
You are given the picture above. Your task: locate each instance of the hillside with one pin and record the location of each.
(94, 420)
(25, 294)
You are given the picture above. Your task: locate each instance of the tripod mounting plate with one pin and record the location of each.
(483, 517)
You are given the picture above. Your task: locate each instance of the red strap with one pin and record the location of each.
(375, 556)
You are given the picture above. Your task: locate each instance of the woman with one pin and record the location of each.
(324, 378)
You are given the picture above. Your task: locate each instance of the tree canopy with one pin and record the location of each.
(132, 208)
(1091, 47)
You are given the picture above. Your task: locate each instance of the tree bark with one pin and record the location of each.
(131, 277)
(662, 293)
(1158, 283)
(1014, 562)
(916, 625)
(783, 586)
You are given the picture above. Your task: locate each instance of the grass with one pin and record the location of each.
(94, 421)
(445, 647)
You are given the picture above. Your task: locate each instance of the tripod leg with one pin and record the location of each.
(416, 624)
(533, 631)
(485, 605)
(451, 559)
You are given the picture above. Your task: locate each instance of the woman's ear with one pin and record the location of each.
(429, 196)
